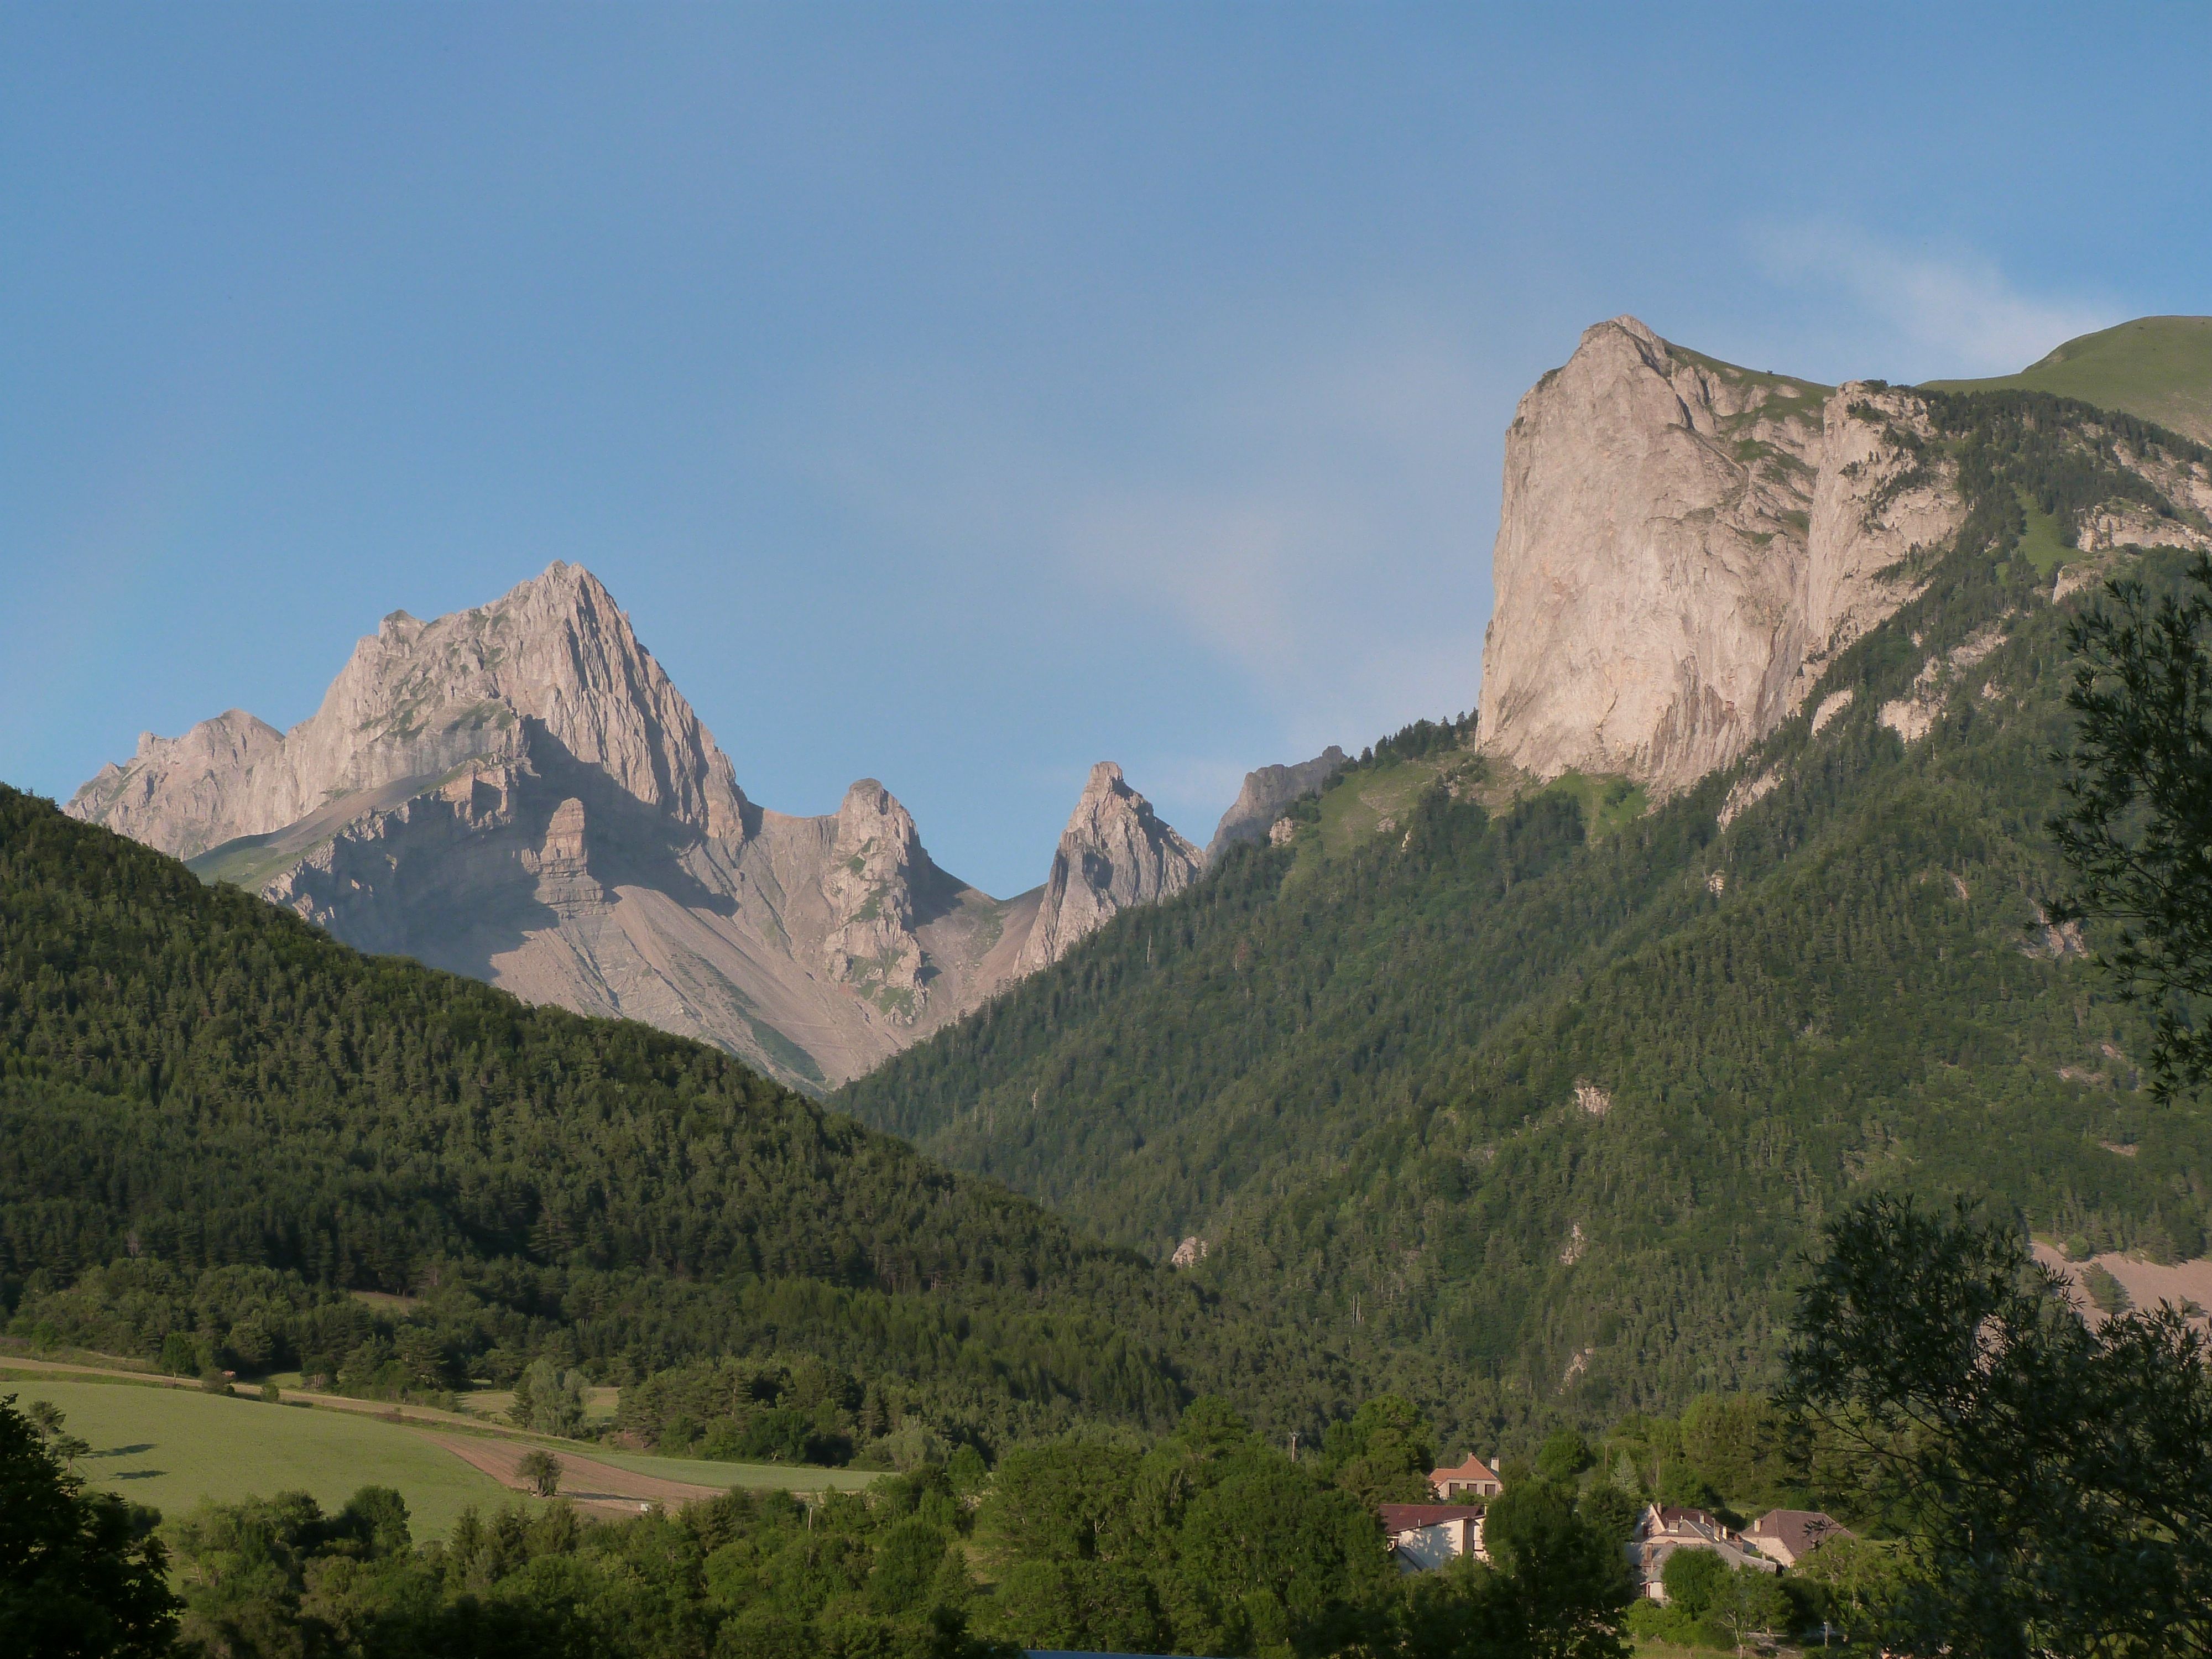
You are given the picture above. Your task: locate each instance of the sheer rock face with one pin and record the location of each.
(1116, 853)
(1874, 502)
(1265, 793)
(1683, 545)
(518, 792)
(875, 859)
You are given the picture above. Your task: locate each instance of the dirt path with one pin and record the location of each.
(591, 1484)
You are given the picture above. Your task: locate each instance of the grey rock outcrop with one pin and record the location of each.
(518, 792)
(1683, 545)
(185, 794)
(1116, 853)
(1265, 793)
(552, 665)
(875, 859)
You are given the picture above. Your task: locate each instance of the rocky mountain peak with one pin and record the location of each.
(548, 677)
(1680, 542)
(871, 823)
(1116, 852)
(176, 793)
(554, 657)
(518, 792)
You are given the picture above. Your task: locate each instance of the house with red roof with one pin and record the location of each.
(1473, 1478)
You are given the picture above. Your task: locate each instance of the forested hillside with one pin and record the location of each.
(1537, 1120)
(216, 1123)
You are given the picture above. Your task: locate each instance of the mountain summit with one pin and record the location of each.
(551, 671)
(2158, 368)
(519, 793)
(1116, 852)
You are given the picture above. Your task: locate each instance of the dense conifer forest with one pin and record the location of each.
(216, 1125)
(1535, 1111)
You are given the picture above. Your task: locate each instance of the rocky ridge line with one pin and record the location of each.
(518, 793)
(1267, 792)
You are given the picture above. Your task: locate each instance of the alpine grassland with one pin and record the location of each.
(2157, 368)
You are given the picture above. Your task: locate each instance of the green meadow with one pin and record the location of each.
(174, 1447)
(2157, 368)
(1373, 801)
(2040, 544)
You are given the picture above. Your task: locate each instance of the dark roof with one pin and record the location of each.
(1797, 1530)
(1401, 1517)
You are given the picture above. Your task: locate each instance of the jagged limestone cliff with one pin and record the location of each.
(1116, 851)
(1683, 543)
(518, 792)
(1265, 793)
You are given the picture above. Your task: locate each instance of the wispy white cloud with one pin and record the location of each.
(1321, 527)
(1953, 312)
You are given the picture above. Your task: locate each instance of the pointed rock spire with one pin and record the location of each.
(874, 859)
(1116, 852)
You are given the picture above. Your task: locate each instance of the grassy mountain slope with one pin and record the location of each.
(2158, 368)
(215, 1119)
(1534, 1120)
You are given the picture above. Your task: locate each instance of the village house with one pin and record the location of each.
(1425, 1536)
(1664, 1528)
(1473, 1478)
(1789, 1535)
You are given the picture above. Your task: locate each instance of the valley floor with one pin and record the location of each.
(164, 1442)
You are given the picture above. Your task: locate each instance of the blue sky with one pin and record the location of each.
(962, 395)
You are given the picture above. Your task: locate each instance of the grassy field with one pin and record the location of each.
(2158, 368)
(492, 1405)
(171, 1448)
(1381, 801)
(1609, 803)
(174, 1447)
(1372, 802)
(2039, 545)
